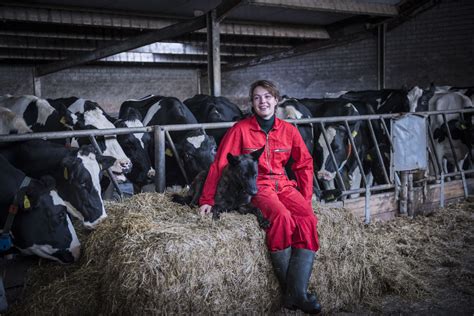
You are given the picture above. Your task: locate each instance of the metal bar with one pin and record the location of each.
(213, 54)
(404, 192)
(410, 209)
(178, 160)
(160, 161)
(377, 149)
(451, 144)
(359, 162)
(338, 174)
(381, 30)
(109, 170)
(435, 154)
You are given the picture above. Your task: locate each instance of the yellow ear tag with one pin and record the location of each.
(66, 175)
(26, 202)
(354, 134)
(168, 152)
(369, 157)
(63, 120)
(463, 126)
(100, 167)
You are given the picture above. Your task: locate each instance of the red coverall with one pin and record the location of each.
(289, 209)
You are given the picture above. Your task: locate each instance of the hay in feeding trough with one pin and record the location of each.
(152, 256)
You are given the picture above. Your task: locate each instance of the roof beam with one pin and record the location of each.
(141, 40)
(334, 6)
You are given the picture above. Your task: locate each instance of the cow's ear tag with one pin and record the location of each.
(348, 105)
(463, 126)
(354, 134)
(100, 167)
(168, 152)
(66, 173)
(26, 202)
(369, 157)
(63, 120)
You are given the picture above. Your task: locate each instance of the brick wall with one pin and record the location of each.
(107, 85)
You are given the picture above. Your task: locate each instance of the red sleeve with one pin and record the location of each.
(302, 166)
(231, 143)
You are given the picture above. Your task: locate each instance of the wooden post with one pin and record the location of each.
(410, 197)
(404, 193)
(213, 54)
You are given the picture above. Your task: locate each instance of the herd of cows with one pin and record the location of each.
(44, 182)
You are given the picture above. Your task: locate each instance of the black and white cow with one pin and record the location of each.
(462, 142)
(195, 148)
(38, 113)
(137, 147)
(291, 108)
(76, 171)
(91, 116)
(211, 109)
(11, 123)
(41, 225)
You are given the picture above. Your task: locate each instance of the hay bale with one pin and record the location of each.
(152, 257)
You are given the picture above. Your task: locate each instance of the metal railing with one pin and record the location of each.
(161, 134)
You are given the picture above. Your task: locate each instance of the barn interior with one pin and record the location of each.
(112, 51)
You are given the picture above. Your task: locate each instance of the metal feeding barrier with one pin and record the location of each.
(377, 135)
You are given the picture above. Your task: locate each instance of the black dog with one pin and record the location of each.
(236, 187)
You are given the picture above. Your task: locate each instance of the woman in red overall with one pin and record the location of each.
(292, 238)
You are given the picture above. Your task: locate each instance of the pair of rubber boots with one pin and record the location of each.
(293, 269)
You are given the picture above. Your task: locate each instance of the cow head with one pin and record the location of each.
(42, 226)
(245, 170)
(81, 184)
(339, 142)
(94, 117)
(197, 150)
(11, 123)
(418, 99)
(136, 146)
(459, 129)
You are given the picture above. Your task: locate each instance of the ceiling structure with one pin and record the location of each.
(57, 34)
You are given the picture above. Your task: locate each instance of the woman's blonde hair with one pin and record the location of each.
(266, 84)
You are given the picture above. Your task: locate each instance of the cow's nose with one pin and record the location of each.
(151, 173)
(325, 175)
(126, 166)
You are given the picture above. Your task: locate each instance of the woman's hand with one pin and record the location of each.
(205, 209)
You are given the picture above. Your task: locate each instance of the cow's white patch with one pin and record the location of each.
(330, 134)
(196, 141)
(77, 106)
(75, 245)
(292, 113)
(92, 166)
(139, 136)
(413, 96)
(19, 104)
(333, 95)
(97, 119)
(44, 251)
(44, 111)
(151, 112)
(355, 179)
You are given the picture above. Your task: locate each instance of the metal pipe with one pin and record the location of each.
(377, 149)
(160, 165)
(410, 206)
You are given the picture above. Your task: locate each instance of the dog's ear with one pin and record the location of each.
(256, 154)
(233, 160)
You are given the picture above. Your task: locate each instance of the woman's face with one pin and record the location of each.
(263, 102)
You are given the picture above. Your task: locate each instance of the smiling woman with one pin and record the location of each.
(292, 238)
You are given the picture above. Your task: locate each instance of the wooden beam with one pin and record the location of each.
(335, 6)
(141, 40)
